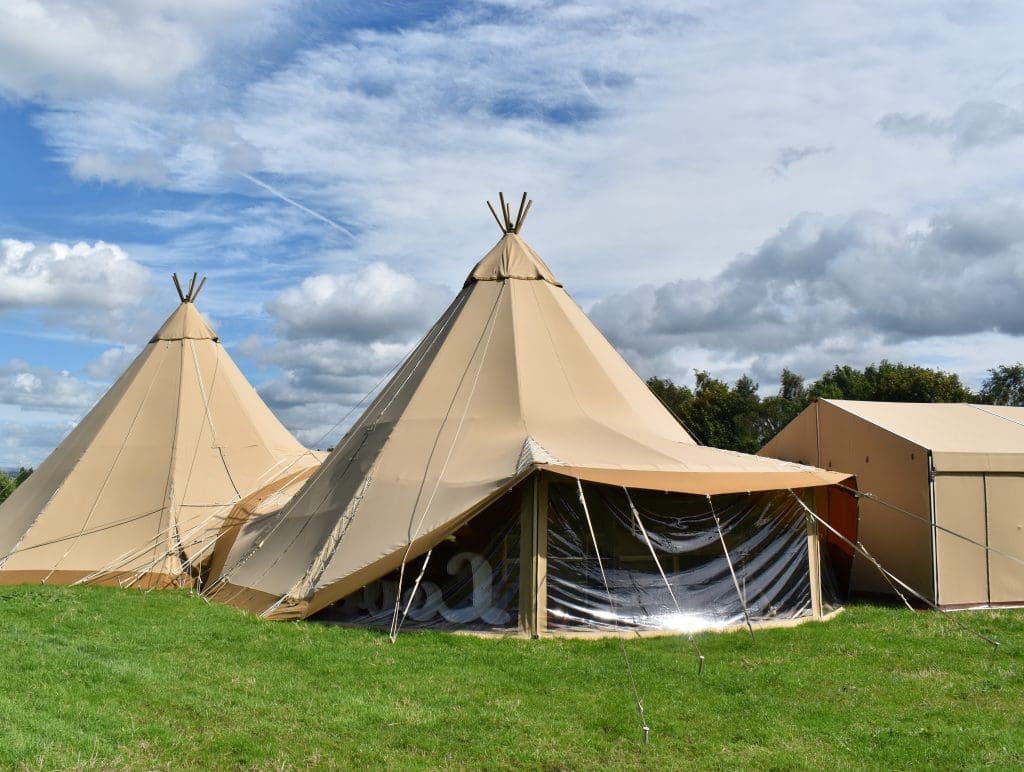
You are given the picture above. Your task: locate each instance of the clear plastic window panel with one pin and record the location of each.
(765, 534)
(471, 581)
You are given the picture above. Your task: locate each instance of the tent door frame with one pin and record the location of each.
(533, 557)
(820, 503)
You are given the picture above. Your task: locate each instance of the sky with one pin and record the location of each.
(725, 186)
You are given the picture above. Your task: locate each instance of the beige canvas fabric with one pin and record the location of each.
(958, 466)
(512, 379)
(141, 486)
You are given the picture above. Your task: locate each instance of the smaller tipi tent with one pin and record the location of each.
(517, 447)
(137, 492)
(931, 474)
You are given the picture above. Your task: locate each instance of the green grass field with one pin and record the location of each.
(100, 678)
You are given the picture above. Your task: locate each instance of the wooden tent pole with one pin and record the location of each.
(191, 286)
(519, 215)
(533, 557)
(540, 535)
(814, 552)
(199, 289)
(504, 211)
(177, 286)
(496, 217)
(527, 555)
(519, 224)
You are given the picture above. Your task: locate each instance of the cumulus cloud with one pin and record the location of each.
(399, 132)
(111, 363)
(60, 48)
(376, 303)
(324, 385)
(338, 336)
(99, 275)
(394, 135)
(660, 131)
(41, 388)
(834, 287)
(974, 124)
(26, 444)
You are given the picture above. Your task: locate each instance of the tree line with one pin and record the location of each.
(737, 418)
(9, 483)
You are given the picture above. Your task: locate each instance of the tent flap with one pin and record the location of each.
(705, 483)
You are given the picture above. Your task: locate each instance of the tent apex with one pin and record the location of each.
(193, 291)
(506, 222)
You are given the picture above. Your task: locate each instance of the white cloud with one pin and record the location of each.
(59, 275)
(111, 363)
(145, 167)
(62, 48)
(973, 124)
(835, 290)
(26, 444)
(664, 133)
(339, 336)
(40, 388)
(376, 303)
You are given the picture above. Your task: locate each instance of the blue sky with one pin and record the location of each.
(727, 186)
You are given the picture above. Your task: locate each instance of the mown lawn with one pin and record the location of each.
(100, 678)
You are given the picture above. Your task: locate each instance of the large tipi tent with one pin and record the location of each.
(137, 492)
(542, 483)
(936, 473)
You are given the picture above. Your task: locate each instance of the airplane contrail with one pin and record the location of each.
(274, 191)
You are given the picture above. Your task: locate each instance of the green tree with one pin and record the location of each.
(841, 382)
(7, 486)
(891, 382)
(737, 418)
(674, 397)
(744, 406)
(707, 415)
(781, 408)
(1004, 385)
(715, 413)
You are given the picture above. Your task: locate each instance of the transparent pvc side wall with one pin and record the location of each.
(471, 581)
(766, 537)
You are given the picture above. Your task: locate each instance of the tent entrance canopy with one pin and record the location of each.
(527, 565)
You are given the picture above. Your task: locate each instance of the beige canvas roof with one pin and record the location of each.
(962, 437)
(140, 487)
(512, 379)
(942, 488)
